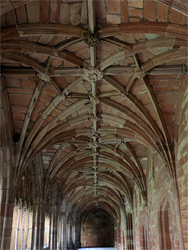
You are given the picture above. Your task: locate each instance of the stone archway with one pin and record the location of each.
(97, 229)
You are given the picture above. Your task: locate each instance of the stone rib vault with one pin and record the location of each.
(94, 117)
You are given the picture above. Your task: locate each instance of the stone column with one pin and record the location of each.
(50, 231)
(64, 243)
(34, 227)
(77, 234)
(129, 231)
(6, 215)
(40, 224)
(23, 225)
(26, 226)
(70, 240)
(117, 236)
(14, 226)
(54, 228)
(53, 225)
(37, 242)
(7, 189)
(7, 194)
(29, 230)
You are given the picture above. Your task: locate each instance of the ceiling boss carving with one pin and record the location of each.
(91, 39)
(139, 73)
(92, 74)
(44, 76)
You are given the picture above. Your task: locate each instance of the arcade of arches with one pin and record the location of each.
(94, 124)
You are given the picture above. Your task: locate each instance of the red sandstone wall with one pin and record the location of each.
(97, 230)
(147, 218)
(182, 164)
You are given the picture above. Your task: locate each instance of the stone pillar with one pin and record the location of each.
(70, 239)
(37, 242)
(22, 229)
(64, 236)
(20, 223)
(117, 237)
(53, 225)
(77, 234)
(59, 230)
(50, 232)
(14, 226)
(7, 189)
(26, 226)
(34, 227)
(129, 231)
(6, 207)
(55, 229)
(7, 194)
(40, 224)
(30, 227)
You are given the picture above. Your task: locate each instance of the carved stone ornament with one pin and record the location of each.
(95, 167)
(94, 100)
(93, 144)
(92, 39)
(92, 74)
(128, 208)
(94, 118)
(44, 76)
(140, 73)
(121, 141)
(95, 134)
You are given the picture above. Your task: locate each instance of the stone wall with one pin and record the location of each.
(182, 161)
(157, 222)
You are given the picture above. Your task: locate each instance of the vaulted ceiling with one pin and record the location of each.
(92, 87)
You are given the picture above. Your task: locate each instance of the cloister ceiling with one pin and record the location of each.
(91, 87)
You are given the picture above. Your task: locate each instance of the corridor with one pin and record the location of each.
(94, 125)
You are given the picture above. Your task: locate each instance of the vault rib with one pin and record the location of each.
(111, 70)
(32, 47)
(29, 148)
(92, 48)
(159, 114)
(27, 118)
(49, 29)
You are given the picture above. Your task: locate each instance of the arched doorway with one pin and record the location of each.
(97, 229)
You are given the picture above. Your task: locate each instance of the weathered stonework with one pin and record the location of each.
(92, 39)
(82, 129)
(92, 74)
(139, 73)
(44, 76)
(185, 69)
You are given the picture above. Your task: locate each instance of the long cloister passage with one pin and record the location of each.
(94, 124)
